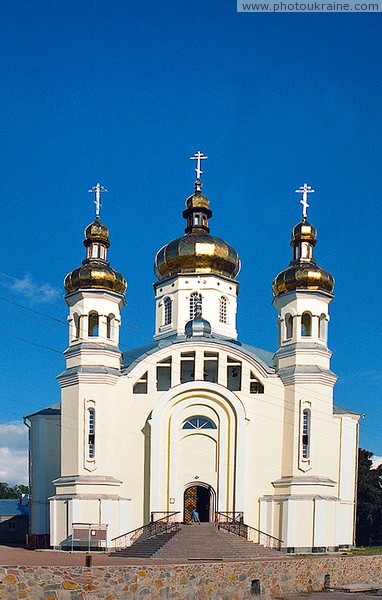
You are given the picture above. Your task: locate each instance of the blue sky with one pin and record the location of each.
(123, 93)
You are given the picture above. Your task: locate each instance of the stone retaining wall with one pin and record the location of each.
(207, 581)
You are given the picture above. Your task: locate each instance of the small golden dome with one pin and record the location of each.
(303, 272)
(95, 271)
(198, 200)
(197, 253)
(304, 231)
(96, 232)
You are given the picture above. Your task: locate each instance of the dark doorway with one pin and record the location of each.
(197, 497)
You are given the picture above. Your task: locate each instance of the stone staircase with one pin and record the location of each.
(198, 542)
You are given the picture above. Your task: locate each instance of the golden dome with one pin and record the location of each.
(197, 251)
(304, 231)
(95, 271)
(95, 275)
(96, 232)
(303, 272)
(303, 276)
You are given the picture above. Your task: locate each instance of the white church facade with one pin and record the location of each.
(197, 419)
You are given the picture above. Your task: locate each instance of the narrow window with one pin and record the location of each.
(305, 433)
(140, 387)
(199, 423)
(211, 366)
(306, 325)
(91, 433)
(255, 387)
(187, 367)
(288, 327)
(167, 303)
(196, 219)
(93, 324)
(322, 327)
(223, 309)
(95, 250)
(76, 320)
(164, 375)
(110, 326)
(233, 374)
(195, 304)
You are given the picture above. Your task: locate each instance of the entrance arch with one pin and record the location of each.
(199, 497)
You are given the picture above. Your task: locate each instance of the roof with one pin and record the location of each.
(341, 410)
(54, 409)
(134, 356)
(13, 507)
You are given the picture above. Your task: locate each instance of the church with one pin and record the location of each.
(197, 419)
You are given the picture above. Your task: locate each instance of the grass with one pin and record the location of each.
(366, 550)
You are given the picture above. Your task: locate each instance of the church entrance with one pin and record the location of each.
(199, 498)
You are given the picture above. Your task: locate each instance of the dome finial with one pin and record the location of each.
(305, 190)
(97, 190)
(198, 156)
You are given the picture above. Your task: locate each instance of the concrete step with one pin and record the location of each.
(199, 542)
(145, 548)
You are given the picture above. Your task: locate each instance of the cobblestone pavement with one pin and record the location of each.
(10, 556)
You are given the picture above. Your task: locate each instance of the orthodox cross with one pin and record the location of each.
(305, 190)
(97, 190)
(198, 156)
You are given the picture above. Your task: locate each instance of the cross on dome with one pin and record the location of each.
(97, 190)
(305, 190)
(198, 156)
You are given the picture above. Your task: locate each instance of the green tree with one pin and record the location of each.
(9, 492)
(369, 501)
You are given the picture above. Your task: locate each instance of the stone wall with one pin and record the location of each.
(207, 581)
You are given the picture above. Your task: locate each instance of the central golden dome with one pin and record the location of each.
(197, 251)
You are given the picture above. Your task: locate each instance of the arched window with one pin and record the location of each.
(167, 303)
(195, 304)
(223, 309)
(322, 327)
(306, 325)
(93, 324)
(76, 321)
(199, 423)
(305, 441)
(91, 433)
(288, 327)
(110, 326)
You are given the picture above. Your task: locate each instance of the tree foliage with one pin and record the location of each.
(8, 492)
(369, 501)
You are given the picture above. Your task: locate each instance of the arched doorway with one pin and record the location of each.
(199, 498)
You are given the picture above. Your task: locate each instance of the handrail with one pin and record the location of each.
(165, 524)
(238, 527)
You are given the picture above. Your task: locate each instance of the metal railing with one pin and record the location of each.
(233, 522)
(169, 521)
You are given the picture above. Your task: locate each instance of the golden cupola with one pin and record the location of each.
(197, 251)
(303, 272)
(95, 271)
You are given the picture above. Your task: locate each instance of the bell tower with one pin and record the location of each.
(88, 489)
(302, 294)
